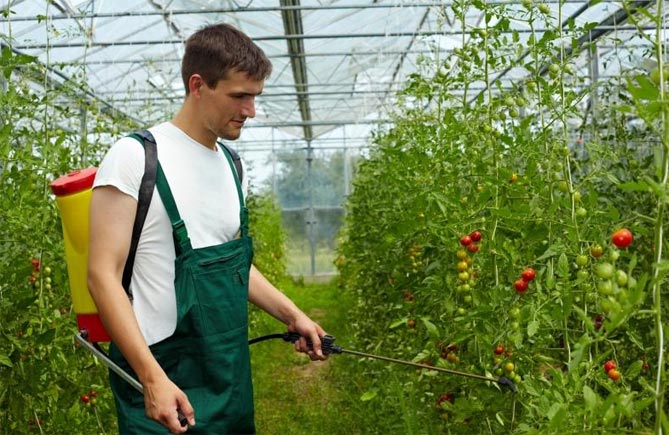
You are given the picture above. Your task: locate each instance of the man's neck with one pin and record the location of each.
(189, 125)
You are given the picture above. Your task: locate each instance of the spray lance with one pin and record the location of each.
(328, 347)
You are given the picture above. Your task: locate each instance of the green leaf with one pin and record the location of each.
(397, 323)
(5, 361)
(368, 395)
(431, 328)
(591, 398)
(634, 186)
(646, 90)
(532, 328)
(579, 349)
(563, 265)
(634, 369)
(552, 251)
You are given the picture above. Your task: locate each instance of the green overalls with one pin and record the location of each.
(208, 355)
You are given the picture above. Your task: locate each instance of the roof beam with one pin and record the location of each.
(292, 24)
(601, 28)
(242, 9)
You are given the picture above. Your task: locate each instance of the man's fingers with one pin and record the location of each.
(316, 342)
(186, 410)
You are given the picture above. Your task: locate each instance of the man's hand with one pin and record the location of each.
(162, 400)
(307, 328)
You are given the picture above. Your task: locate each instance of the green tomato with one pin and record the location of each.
(582, 275)
(621, 278)
(605, 270)
(614, 254)
(655, 75)
(581, 212)
(605, 287)
(581, 260)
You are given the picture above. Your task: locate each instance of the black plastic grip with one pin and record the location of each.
(183, 421)
(327, 342)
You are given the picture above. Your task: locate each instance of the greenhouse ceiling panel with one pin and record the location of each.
(336, 63)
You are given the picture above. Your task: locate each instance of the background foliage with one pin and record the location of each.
(546, 179)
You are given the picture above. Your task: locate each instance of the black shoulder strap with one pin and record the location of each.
(143, 200)
(236, 160)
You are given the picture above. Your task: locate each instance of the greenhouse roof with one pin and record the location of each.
(336, 62)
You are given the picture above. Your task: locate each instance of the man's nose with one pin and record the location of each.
(249, 108)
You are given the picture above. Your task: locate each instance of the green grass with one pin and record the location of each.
(294, 395)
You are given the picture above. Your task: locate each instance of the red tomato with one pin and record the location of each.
(529, 274)
(84, 398)
(476, 236)
(473, 248)
(613, 374)
(609, 365)
(520, 285)
(465, 240)
(622, 238)
(499, 349)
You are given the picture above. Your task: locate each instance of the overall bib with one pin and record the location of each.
(208, 354)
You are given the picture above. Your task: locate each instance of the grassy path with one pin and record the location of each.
(294, 395)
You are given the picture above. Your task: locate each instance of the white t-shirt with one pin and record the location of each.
(204, 190)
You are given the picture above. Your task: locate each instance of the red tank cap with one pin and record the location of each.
(74, 182)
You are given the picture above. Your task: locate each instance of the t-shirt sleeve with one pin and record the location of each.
(122, 167)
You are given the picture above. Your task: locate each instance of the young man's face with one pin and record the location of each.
(228, 105)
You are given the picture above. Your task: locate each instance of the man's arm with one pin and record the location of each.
(267, 297)
(111, 220)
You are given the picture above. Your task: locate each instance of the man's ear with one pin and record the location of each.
(195, 84)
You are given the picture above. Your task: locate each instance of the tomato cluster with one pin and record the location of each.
(470, 241)
(523, 282)
(611, 369)
(415, 254)
(466, 275)
(505, 367)
(89, 399)
(37, 270)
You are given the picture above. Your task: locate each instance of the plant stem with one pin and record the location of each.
(659, 229)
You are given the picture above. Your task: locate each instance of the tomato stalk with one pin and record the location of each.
(495, 160)
(660, 384)
(565, 135)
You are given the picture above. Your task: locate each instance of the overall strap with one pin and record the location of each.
(143, 201)
(179, 233)
(236, 166)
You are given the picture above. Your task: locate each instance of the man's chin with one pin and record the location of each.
(231, 135)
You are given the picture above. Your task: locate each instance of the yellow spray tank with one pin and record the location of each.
(73, 197)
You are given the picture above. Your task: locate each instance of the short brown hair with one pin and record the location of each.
(216, 49)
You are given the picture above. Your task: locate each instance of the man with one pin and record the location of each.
(184, 333)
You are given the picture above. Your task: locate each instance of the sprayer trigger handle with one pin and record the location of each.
(327, 342)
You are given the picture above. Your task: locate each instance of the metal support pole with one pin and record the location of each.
(593, 55)
(347, 169)
(311, 216)
(83, 133)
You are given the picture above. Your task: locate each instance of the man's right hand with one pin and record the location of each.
(162, 400)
